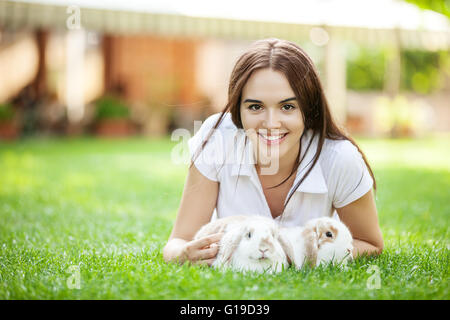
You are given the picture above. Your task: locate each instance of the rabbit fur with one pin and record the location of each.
(249, 243)
(320, 241)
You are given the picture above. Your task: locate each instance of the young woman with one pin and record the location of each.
(297, 163)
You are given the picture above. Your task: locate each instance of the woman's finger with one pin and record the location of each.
(202, 254)
(208, 253)
(206, 241)
(208, 262)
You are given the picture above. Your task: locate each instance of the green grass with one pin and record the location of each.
(108, 206)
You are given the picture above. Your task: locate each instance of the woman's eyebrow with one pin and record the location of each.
(259, 101)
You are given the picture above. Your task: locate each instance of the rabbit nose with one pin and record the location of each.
(263, 251)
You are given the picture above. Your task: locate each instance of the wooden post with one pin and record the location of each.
(335, 79)
(39, 83)
(107, 47)
(75, 50)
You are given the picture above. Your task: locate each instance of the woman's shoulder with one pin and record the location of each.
(341, 149)
(345, 171)
(226, 122)
(339, 156)
(223, 136)
(211, 146)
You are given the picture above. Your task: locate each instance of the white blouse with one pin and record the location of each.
(339, 177)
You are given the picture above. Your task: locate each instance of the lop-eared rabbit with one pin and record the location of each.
(249, 243)
(320, 241)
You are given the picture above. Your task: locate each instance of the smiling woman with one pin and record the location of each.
(275, 121)
(301, 165)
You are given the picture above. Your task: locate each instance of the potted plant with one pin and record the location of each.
(8, 128)
(112, 118)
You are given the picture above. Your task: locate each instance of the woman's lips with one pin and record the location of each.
(273, 140)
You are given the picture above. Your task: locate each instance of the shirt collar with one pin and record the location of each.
(313, 183)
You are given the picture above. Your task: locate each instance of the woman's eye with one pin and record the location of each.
(254, 107)
(288, 107)
(329, 234)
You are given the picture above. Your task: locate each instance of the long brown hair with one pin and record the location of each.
(288, 58)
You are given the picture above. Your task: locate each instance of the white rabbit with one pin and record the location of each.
(249, 244)
(320, 241)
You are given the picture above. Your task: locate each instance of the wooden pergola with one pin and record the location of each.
(54, 15)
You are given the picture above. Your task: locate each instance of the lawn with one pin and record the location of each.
(87, 219)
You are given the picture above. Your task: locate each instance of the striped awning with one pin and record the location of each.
(16, 15)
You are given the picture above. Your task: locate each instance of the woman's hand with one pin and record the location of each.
(196, 208)
(201, 251)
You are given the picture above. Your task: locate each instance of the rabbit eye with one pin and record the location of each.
(249, 234)
(329, 234)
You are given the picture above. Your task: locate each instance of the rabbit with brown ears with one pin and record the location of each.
(249, 243)
(320, 241)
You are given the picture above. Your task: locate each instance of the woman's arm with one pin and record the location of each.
(361, 218)
(197, 205)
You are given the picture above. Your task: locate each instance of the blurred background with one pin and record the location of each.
(121, 68)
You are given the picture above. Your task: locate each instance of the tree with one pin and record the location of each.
(441, 6)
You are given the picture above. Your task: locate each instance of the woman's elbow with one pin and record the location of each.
(362, 248)
(379, 248)
(165, 254)
(377, 245)
(168, 253)
(173, 249)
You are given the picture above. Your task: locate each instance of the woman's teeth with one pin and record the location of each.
(273, 138)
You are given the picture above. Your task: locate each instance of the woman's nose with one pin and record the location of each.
(272, 120)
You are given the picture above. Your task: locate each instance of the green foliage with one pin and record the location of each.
(365, 68)
(423, 71)
(110, 107)
(6, 112)
(441, 6)
(108, 206)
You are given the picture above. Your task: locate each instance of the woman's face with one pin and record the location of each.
(271, 117)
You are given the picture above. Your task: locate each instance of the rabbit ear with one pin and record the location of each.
(311, 248)
(229, 247)
(218, 228)
(210, 228)
(287, 247)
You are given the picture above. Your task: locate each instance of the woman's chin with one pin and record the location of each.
(269, 160)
